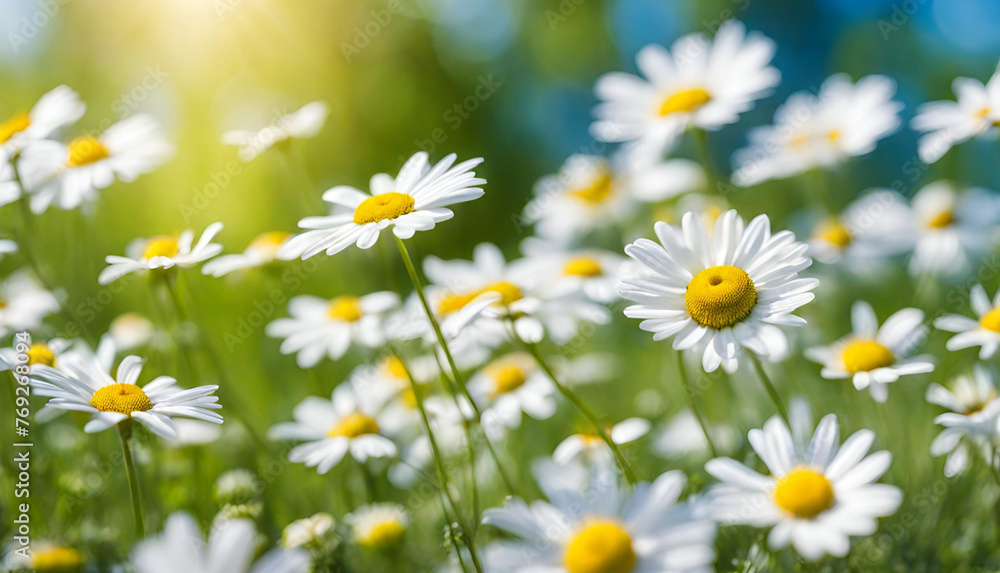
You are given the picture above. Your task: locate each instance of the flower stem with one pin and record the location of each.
(759, 368)
(125, 433)
(689, 396)
(701, 139)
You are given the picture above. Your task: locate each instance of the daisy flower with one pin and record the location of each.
(949, 123)
(974, 412)
(872, 356)
(591, 192)
(319, 327)
(349, 422)
(39, 353)
(952, 227)
(843, 120)
(592, 272)
(983, 331)
(815, 498)
(262, 250)
(302, 123)
(592, 450)
(378, 527)
(163, 252)
(7, 247)
(132, 147)
(131, 330)
(309, 531)
(697, 83)
(470, 347)
(231, 548)
(603, 529)
(415, 200)
(84, 386)
(45, 557)
(23, 303)
(873, 227)
(719, 293)
(510, 385)
(54, 110)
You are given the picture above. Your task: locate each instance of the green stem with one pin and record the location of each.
(759, 368)
(125, 433)
(689, 395)
(701, 139)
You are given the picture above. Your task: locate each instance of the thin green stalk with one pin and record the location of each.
(766, 381)
(701, 139)
(125, 433)
(689, 395)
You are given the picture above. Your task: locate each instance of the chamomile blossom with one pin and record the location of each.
(698, 83)
(415, 200)
(308, 532)
(24, 303)
(952, 227)
(843, 120)
(131, 330)
(7, 247)
(591, 192)
(349, 422)
(54, 110)
(722, 292)
(593, 450)
(982, 331)
(378, 527)
(302, 123)
(946, 124)
(873, 356)
(815, 498)
(873, 227)
(39, 353)
(510, 385)
(593, 272)
(602, 528)
(162, 253)
(262, 250)
(132, 147)
(84, 386)
(45, 557)
(320, 327)
(231, 548)
(974, 412)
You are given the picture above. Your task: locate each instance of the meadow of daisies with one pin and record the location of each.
(661, 369)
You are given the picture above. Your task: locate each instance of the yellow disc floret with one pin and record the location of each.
(506, 378)
(40, 353)
(804, 493)
(508, 291)
(941, 220)
(121, 398)
(991, 320)
(160, 247)
(684, 101)
(583, 267)
(85, 150)
(353, 425)
(597, 190)
(602, 546)
(383, 535)
(269, 241)
(834, 233)
(57, 560)
(346, 308)
(14, 126)
(719, 297)
(866, 355)
(382, 207)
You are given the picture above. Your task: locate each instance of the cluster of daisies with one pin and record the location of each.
(450, 370)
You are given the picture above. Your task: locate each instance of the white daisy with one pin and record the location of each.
(592, 272)
(414, 200)
(953, 227)
(231, 548)
(843, 120)
(83, 385)
(683, 436)
(309, 531)
(319, 327)
(194, 433)
(54, 110)
(974, 413)
(470, 347)
(163, 252)
(602, 528)
(7, 247)
(949, 123)
(875, 226)
(39, 353)
(24, 303)
(873, 356)
(815, 498)
(447, 421)
(131, 330)
(697, 83)
(130, 148)
(592, 449)
(722, 292)
(45, 557)
(510, 385)
(378, 527)
(350, 421)
(984, 331)
(590, 192)
(302, 123)
(262, 250)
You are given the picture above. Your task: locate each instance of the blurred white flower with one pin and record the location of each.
(873, 227)
(131, 330)
(983, 331)
(7, 247)
(262, 250)
(302, 123)
(949, 123)
(54, 110)
(562, 270)
(682, 436)
(510, 385)
(163, 252)
(592, 449)
(975, 411)
(952, 227)
(309, 531)
(378, 527)
(24, 303)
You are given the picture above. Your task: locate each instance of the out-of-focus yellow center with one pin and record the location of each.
(57, 560)
(121, 398)
(834, 233)
(353, 425)
(804, 493)
(865, 356)
(393, 366)
(383, 535)
(597, 190)
(509, 293)
(833, 135)
(160, 247)
(941, 220)
(602, 546)
(684, 101)
(3, 303)
(381, 207)
(346, 308)
(991, 320)
(85, 150)
(269, 241)
(583, 267)
(14, 126)
(40, 353)
(719, 297)
(506, 378)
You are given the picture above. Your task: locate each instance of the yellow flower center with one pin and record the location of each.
(602, 546)
(991, 320)
(381, 207)
(353, 425)
(509, 293)
(3, 303)
(866, 355)
(40, 353)
(383, 535)
(57, 560)
(941, 220)
(346, 308)
(684, 101)
(13, 126)
(393, 366)
(506, 378)
(719, 297)
(121, 398)
(804, 493)
(269, 241)
(597, 191)
(834, 233)
(85, 150)
(833, 135)
(583, 267)
(160, 247)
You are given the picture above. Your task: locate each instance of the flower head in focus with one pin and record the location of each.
(982, 331)
(162, 253)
